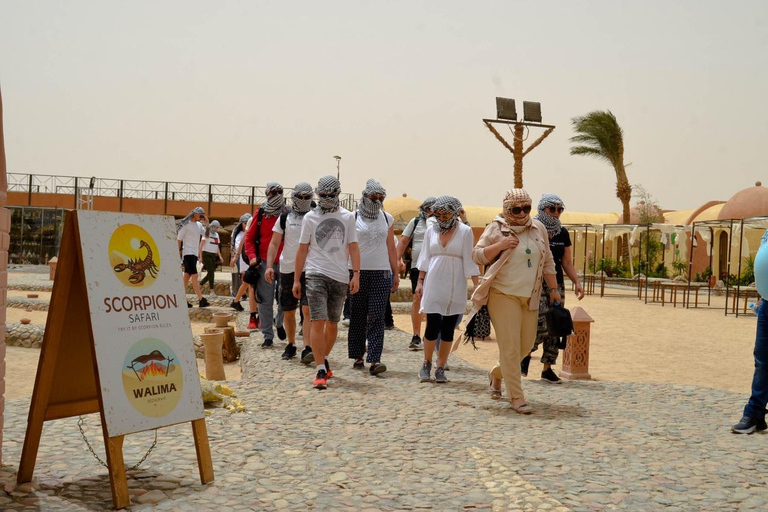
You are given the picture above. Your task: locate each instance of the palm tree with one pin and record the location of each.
(598, 134)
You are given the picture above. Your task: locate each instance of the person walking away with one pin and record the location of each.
(210, 249)
(413, 237)
(753, 419)
(287, 231)
(191, 229)
(378, 277)
(445, 264)
(257, 238)
(237, 263)
(549, 210)
(328, 240)
(515, 249)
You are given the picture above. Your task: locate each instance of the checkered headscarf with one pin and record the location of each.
(552, 224)
(275, 203)
(185, 220)
(426, 205)
(328, 185)
(301, 206)
(516, 197)
(447, 204)
(367, 207)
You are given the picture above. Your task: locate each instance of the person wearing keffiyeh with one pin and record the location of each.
(549, 210)
(237, 262)
(262, 296)
(515, 249)
(188, 235)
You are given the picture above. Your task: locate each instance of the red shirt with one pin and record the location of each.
(265, 237)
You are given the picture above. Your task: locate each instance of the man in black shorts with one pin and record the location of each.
(191, 229)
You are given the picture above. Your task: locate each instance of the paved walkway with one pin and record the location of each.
(391, 443)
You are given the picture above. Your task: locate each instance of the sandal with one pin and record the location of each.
(358, 365)
(523, 408)
(494, 392)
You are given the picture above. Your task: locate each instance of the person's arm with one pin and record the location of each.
(570, 271)
(200, 249)
(249, 241)
(274, 245)
(301, 259)
(354, 255)
(393, 258)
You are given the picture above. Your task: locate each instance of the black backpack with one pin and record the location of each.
(559, 324)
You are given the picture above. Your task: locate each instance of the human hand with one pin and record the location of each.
(419, 290)
(395, 283)
(297, 289)
(509, 242)
(579, 291)
(269, 275)
(554, 296)
(253, 261)
(401, 265)
(354, 284)
(463, 216)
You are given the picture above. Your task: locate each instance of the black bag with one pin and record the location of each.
(251, 275)
(559, 324)
(479, 326)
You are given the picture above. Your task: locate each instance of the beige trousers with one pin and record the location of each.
(515, 325)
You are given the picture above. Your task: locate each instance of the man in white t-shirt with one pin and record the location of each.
(413, 235)
(288, 230)
(188, 237)
(328, 240)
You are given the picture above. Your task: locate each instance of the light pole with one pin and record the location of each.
(338, 167)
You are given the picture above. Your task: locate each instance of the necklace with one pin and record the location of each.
(527, 248)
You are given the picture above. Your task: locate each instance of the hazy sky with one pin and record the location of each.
(249, 92)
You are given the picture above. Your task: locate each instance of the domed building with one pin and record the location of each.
(750, 202)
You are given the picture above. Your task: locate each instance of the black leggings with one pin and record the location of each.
(442, 325)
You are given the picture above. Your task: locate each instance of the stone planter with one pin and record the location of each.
(222, 319)
(214, 362)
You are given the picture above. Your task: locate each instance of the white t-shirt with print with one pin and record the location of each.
(212, 243)
(372, 239)
(328, 236)
(190, 238)
(291, 235)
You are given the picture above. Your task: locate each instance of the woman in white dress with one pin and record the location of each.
(444, 265)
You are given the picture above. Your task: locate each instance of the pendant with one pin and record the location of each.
(529, 262)
(527, 251)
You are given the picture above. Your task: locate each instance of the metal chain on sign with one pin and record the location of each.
(81, 422)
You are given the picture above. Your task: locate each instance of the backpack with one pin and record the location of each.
(416, 220)
(386, 219)
(559, 324)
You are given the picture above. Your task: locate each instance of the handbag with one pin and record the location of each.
(559, 324)
(251, 275)
(479, 326)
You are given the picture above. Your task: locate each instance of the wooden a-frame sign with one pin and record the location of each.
(68, 383)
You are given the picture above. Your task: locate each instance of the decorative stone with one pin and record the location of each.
(26, 321)
(32, 295)
(214, 361)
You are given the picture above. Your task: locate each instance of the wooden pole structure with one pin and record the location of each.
(517, 150)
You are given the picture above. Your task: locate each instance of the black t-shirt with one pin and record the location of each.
(557, 245)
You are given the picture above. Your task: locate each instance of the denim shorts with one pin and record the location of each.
(326, 297)
(287, 301)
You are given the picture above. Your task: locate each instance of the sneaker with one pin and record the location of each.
(203, 303)
(189, 304)
(307, 356)
(389, 327)
(236, 306)
(440, 377)
(425, 374)
(415, 342)
(358, 365)
(749, 425)
(345, 322)
(524, 365)
(377, 368)
(267, 344)
(328, 372)
(281, 333)
(321, 381)
(290, 352)
(551, 377)
(253, 323)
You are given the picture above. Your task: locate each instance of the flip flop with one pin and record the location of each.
(523, 408)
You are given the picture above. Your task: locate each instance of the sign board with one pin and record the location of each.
(141, 332)
(117, 339)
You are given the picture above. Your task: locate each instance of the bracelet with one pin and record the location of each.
(355, 271)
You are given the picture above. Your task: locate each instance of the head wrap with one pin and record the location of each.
(212, 227)
(367, 207)
(552, 224)
(446, 204)
(275, 203)
(195, 211)
(516, 197)
(301, 206)
(328, 185)
(245, 217)
(426, 205)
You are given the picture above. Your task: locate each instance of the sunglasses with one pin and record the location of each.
(323, 195)
(376, 197)
(303, 196)
(517, 210)
(275, 192)
(553, 209)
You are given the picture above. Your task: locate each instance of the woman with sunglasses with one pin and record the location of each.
(378, 265)
(549, 210)
(444, 266)
(515, 249)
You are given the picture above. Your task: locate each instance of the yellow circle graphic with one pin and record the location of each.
(152, 378)
(133, 256)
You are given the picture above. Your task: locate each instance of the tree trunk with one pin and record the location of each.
(624, 193)
(518, 154)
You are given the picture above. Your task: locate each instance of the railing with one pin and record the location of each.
(136, 189)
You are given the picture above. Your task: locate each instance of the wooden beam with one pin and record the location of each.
(538, 141)
(73, 408)
(499, 137)
(203, 449)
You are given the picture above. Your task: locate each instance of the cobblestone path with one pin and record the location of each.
(391, 443)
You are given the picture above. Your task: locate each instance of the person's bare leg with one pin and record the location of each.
(186, 282)
(289, 322)
(331, 329)
(241, 291)
(442, 354)
(318, 340)
(429, 349)
(416, 316)
(253, 307)
(307, 327)
(196, 286)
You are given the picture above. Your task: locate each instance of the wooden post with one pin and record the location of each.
(576, 353)
(518, 153)
(52, 268)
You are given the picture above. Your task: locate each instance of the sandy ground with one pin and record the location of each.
(631, 341)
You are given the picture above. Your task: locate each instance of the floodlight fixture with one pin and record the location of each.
(505, 109)
(532, 111)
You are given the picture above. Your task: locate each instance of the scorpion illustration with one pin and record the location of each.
(155, 355)
(139, 268)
